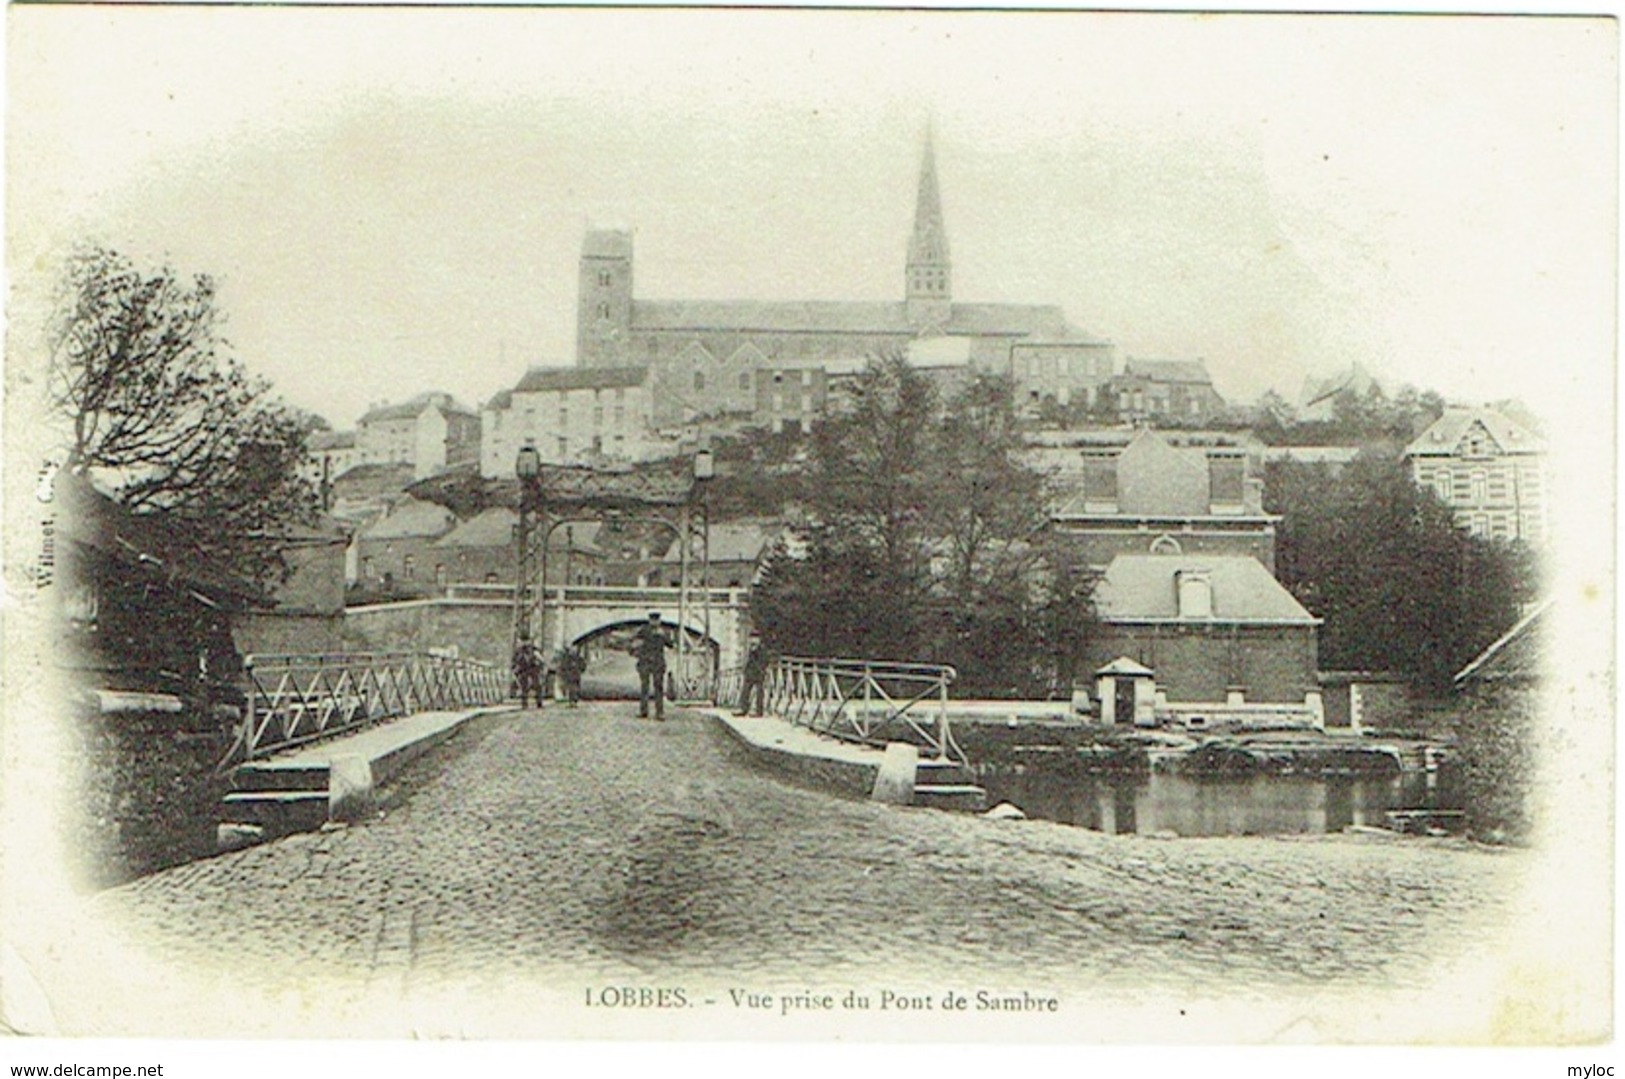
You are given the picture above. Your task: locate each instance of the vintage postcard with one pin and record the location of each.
(796, 525)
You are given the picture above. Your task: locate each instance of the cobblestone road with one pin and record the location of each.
(591, 841)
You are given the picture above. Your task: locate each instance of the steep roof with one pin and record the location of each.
(1145, 588)
(145, 544)
(495, 528)
(1169, 370)
(371, 481)
(851, 316)
(1514, 656)
(412, 519)
(734, 541)
(1445, 435)
(410, 409)
(546, 379)
(1155, 478)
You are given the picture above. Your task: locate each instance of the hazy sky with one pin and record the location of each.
(394, 200)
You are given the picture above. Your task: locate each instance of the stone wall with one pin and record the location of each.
(1275, 664)
(478, 629)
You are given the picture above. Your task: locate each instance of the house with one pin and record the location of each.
(395, 553)
(307, 607)
(484, 550)
(1175, 391)
(329, 455)
(1489, 469)
(144, 619)
(1152, 495)
(736, 549)
(1317, 401)
(1203, 640)
(572, 415)
(431, 432)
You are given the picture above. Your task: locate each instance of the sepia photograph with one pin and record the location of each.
(762, 525)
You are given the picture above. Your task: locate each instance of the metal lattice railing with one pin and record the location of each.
(868, 701)
(295, 698)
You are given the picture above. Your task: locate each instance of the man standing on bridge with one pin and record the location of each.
(649, 647)
(527, 672)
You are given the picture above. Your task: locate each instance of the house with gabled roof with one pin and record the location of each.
(1489, 469)
(1178, 391)
(571, 415)
(431, 432)
(1217, 638)
(1153, 495)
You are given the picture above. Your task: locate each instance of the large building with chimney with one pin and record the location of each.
(766, 359)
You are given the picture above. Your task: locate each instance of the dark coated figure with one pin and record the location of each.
(753, 696)
(527, 673)
(649, 646)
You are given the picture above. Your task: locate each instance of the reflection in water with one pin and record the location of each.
(1210, 805)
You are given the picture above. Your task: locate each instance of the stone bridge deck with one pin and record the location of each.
(538, 854)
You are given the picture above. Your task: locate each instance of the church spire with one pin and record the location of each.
(928, 276)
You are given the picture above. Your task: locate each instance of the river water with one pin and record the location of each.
(1212, 805)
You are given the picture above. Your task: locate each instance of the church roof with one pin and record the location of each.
(851, 316)
(1139, 588)
(1444, 436)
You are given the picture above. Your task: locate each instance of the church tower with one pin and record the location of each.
(604, 302)
(928, 274)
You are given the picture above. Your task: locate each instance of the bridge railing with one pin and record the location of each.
(293, 698)
(582, 595)
(866, 701)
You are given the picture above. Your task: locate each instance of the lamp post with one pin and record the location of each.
(704, 471)
(528, 468)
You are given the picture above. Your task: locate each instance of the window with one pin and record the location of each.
(564, 417)
(598, 416)
(1227, 481)
(699, 381)
(409, 567)
(1195, 594)
(744, 380)
(440, 575)
(367, 568)
(1441, 484)
(620, 417)
(603, 311)
(1478, 483)
(605, 279)
(564, 448)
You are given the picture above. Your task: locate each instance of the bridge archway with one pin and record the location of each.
(716, 629)
(611, 669)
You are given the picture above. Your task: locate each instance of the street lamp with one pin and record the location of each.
(528, 468)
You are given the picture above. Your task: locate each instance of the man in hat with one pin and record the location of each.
(649, 646)
(527, 672)
(755, 690)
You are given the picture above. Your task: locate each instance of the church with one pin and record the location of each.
(771, 361)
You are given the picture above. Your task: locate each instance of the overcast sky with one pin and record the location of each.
(394, 200)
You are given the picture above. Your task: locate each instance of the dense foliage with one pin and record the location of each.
(1400, 586)
(156, 409)
(926, 539)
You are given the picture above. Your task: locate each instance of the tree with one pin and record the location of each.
(1400, 586)
(157, 410)
(927, 540)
